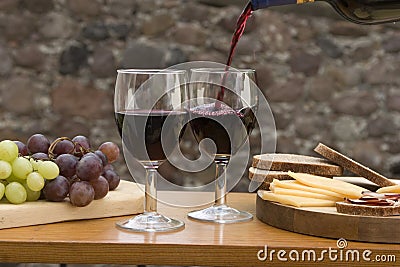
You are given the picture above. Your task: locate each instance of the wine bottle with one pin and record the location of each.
(357, 11)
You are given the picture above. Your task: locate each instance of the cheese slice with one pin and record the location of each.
(296, 200)
(300, 193)
(389, 189)
(293, 184)
(341, 187)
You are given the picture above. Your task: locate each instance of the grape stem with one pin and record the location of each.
(52, 156)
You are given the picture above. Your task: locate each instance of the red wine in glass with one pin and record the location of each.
(208, 122)
(227, 125)
(145, 106)
(152, 123)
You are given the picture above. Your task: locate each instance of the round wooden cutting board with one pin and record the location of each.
(326, 222)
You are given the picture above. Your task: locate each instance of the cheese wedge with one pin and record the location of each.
(389, 189)
(296, 200)
(293, 184)
(294, 192)
(344, 188)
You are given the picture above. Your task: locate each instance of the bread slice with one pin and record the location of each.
(296, 163)
(265, 186)
(364, 210)
(352, 165)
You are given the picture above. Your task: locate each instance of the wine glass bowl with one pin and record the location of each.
(222, 108)
(149, 111)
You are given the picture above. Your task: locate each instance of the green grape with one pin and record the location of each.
(30, 194)
(35, 181)
(8, 150)
(15, 193)
(2, 189)
(21, 167)
(5, 169)
(35, 163)
(12, 178)
(48, 169)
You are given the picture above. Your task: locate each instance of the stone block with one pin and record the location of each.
(355, 103)
(103, 63)
(6, 62)
(157, 24)
(73, 58)
(189, 34)
(141, 55)
(301, 61)
(86, 8)
(291, 91)
(30, 56)
(71, 98)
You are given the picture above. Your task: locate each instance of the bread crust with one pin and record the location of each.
(297, 163)
(353, 166)
(365, 210)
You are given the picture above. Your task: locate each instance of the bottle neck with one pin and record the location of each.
(260, 4)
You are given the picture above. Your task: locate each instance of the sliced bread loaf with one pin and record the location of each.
(296, 163)
(363, 210)
(353, 166)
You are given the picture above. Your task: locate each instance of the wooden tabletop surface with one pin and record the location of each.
(207, 244)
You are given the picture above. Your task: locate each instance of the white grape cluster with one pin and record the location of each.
(22, 178)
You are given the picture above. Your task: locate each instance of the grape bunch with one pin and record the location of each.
(22, 178)
(63, 168)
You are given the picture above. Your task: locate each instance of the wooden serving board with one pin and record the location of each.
(125, 200)
(326, 222)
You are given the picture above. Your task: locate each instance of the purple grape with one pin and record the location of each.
(82, 145)
(40, 156)
(112, 178)
(91, 154)
(56, 190)
(102, 157)
(67, 165)
(89, 168)
(38, 143)
(100, 186)
(81, 193)
(108, 167)
(63, 147)
(111, 151)
(22, 148)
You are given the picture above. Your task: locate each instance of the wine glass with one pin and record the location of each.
(149, 107)
(222, 108)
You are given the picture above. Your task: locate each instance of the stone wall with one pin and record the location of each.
(327, 80)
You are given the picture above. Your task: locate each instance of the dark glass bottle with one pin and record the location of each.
(357, 11)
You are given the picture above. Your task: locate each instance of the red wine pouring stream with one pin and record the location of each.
(240, 26)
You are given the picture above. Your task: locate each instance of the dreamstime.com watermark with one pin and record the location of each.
(338, 254)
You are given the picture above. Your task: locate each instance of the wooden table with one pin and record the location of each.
(99, 241)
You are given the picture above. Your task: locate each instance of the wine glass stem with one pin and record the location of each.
(151, 191)
(220, 183)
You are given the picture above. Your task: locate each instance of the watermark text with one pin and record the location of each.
(340, 253)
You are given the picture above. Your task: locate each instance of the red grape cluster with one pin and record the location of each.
(85, 174)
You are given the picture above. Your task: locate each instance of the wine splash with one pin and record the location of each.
(240, 26)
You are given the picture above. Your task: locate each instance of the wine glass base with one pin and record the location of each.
(220, 214)
(150, 222)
